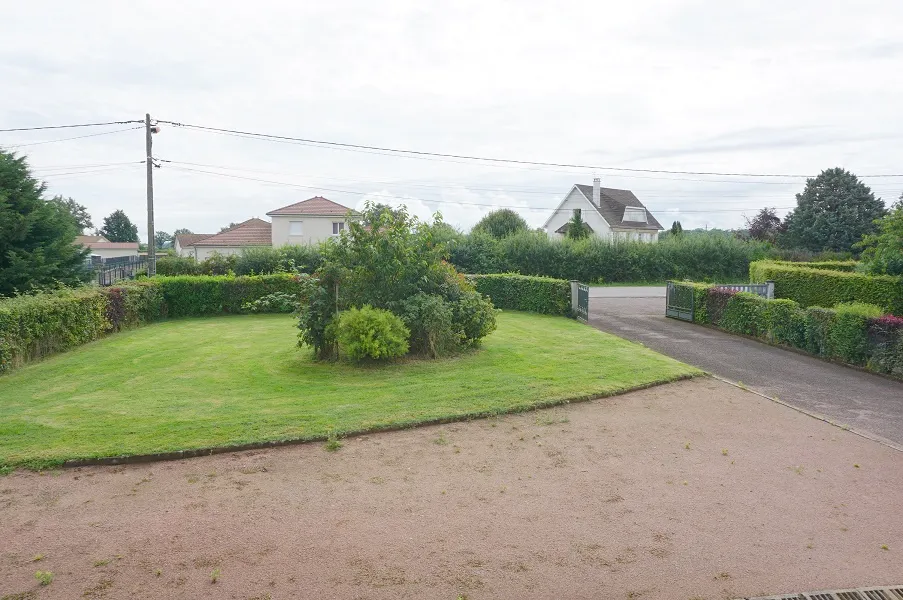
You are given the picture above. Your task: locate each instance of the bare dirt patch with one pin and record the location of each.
(694, 489)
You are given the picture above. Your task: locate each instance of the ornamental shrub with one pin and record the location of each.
(885, 339)
(277, 302)
(369, 333)
(819, 287)
(785, 323)
(519, 292)
(819, 323)
(744, 314)
(170, 266)
(848, 337)
(285, 259)
(430, 321)
(716, 300)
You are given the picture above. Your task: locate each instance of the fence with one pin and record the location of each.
(114, 270)
(680, 299)
(766, 290)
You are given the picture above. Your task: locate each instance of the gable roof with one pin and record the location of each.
(253, 232)
(613, 202)
(318, 205)
(190, 239)
(84, 240)
(564, 228)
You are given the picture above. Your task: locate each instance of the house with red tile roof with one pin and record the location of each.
(184, 243)
(104, 248)
(248, 234)
(309, 222)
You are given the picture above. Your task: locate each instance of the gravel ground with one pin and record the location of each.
(691, 490)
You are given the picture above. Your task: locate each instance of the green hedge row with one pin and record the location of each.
(854, 333)
(847, 266)
(39, 325)
(520, 292)
(819, 287)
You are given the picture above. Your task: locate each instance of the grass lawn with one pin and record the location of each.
(198, 383)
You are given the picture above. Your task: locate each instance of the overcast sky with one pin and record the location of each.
(760, 86)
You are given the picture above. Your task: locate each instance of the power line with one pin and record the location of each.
(78, 137)
(388, 196)
(486, 159)
(69, 126)
(87, 171)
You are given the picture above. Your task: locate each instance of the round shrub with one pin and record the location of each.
(369, 333)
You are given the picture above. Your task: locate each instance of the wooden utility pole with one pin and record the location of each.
(151, 246)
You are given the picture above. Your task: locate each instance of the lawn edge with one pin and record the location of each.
(212, 450)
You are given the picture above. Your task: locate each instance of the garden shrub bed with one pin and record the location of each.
(39, 325)
(820, 287)
(521, 292)
(852, 333)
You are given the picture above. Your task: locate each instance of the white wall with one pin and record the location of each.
(106, 253)
(202, 252)
(189, 251)
(313, 229)
(575, 199)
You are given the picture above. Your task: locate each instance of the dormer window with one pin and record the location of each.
(634, 214)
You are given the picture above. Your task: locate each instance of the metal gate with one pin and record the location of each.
(582, 302)
(679, 301)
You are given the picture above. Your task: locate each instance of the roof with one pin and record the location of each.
(318, 205)
(253, 232)
(564, 228)
(614, 202)
(190, 239)
(84, 240)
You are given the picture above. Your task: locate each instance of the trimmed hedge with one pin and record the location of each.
(35, 326)
(847, 266)
(853, 333)
(820, 287)
(521, 292)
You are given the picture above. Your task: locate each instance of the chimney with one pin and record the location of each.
(597, 191)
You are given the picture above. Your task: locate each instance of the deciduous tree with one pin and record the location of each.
(78, 211)
(118, 228)
(501, 223)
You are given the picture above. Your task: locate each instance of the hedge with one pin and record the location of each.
(820, 287)
(39, 325)
(853, 333)
(826, 265)
(520, 292)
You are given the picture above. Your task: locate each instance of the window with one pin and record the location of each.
(577, 212)
(338, 227)
(634, 214)
(294, 227)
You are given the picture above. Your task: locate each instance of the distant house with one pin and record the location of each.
(607, 213)
(104, 249)
(184, 243)
(249, 234)
(309, 222)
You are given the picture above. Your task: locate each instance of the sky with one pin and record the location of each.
(762, 87)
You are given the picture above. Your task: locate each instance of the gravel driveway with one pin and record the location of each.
(691, 490)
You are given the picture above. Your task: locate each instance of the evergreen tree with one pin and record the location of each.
(37, 237)
(78, 211)
(833, 212)
(576, 227)
(118, 228)
(676, 228)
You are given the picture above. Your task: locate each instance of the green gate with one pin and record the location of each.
(679, 302)
(583, 302)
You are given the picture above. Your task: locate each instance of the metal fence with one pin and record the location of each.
(766, 290)
(113, 270)
(680, 300)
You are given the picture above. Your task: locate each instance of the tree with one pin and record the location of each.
(676, 228)
(501, 223)
(833, 212)
(78, 211)
(577, 229)
(883, 252)
(765, 226)
(37, 238)
(379, 207)
(182, 231)
(161, 239)
(118, 228)
(228, 227)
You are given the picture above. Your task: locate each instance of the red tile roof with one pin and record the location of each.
(253, 232)
(84, 240)
(190, 239)
(318, 205)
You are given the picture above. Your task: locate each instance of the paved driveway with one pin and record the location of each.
(866, 403)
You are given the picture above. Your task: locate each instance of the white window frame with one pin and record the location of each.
(338, 227)
(292, 230)
(645, 218)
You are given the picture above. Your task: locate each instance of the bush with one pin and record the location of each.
(195, 296)
(430, 321)
(744, 314)
(35, 326)
(475, 315)
(133, 303)
(370, 333)
(819, 287)
(885, 335)
(716, 300)
(785, 323)
(285, 259)
(819, 323)
(847, 266)
(170, 266)
(277, 302)
(848, 338)
(520, 292)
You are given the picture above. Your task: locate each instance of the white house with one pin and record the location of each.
(249, 234)
(105, 249)
(309, 222)
(184, 243)
(606, 212)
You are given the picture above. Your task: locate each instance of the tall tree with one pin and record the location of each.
(501, 223)
(37, 237)
(833, 212)
(118, 228)
(181, 232)
(765, 226)
(379, 207)
(161, 238)
(78, 211)
(676, 228)
(883, 252)
(577, 227)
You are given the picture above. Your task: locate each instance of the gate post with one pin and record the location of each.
(769, 289)
(574, 283)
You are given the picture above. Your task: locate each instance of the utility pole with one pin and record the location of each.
(151, 249)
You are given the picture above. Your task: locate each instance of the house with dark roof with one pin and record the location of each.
(248, 234)
(309, 222)
(184, 243)
(607, 213)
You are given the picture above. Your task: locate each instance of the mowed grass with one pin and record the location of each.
(199, 383)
